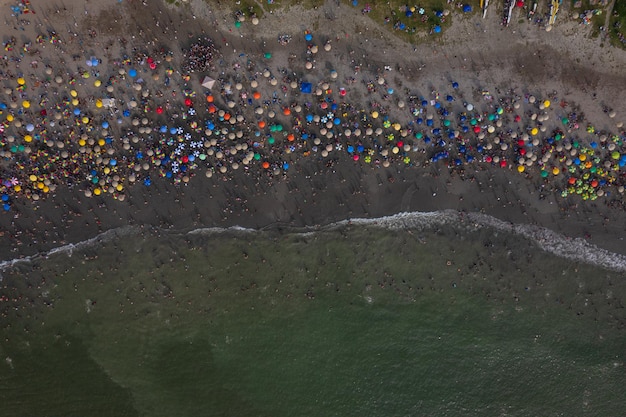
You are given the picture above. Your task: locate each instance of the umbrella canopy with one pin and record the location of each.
(306, 88)
(208, 82)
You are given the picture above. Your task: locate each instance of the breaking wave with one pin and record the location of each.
(575, 249)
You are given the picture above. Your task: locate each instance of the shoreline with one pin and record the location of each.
(548, 241)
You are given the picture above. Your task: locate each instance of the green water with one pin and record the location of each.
(350, 322)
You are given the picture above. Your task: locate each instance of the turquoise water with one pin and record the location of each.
(347, 322)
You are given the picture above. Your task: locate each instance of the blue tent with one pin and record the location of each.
(306, 88)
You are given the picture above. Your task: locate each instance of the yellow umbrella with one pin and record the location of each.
(521, 168)
(534, 131)
(21, 81)
(28, 138)
(73, 93)
(97, 83)
(26, 104)
(546, 104)
(75, 102)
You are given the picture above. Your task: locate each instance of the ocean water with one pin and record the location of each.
(417, 314)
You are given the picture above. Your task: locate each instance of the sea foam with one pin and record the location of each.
(574, 249)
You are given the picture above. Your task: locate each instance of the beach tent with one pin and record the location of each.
(306, 88)
(208, 82)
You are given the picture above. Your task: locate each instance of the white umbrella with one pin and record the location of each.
(208, 82)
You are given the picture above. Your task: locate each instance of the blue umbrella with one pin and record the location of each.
(132, 72)
(437, 29)
(467, 8)
(308, 37)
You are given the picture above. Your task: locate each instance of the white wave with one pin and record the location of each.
(69, 248)
(215, 230)
(548, 240)
(575, 249)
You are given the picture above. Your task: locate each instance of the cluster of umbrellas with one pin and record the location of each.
(105, 129)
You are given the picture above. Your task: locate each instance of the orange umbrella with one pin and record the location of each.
(256, 95)
(286, 111)
(261, 124)
(291, 137)
(209, 99)
(266, 165)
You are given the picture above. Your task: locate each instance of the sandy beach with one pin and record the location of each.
(165, 154)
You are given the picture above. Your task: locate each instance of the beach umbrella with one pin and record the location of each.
(467, 8)
(208, 82)
(132, 73)
(437, 29)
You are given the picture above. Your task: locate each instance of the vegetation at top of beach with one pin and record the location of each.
(408, 20)
(411, 20)
(617, 25)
